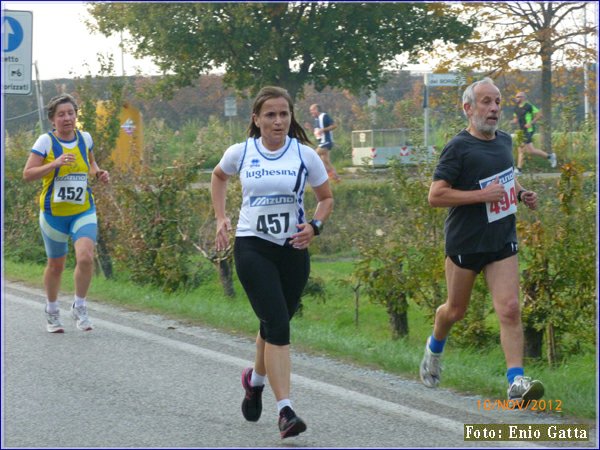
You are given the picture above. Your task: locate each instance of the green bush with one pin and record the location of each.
(22, 237)
(160, 229)
(155, 231)
(558, 259)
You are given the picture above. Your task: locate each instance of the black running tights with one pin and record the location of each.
(273, 277)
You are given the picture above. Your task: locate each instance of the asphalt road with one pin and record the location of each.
(139, 380)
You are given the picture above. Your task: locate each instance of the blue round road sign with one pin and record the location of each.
(13, 34)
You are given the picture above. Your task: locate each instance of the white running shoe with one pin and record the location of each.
(54, 325)
(431, 367)
(517, 171)
(80, 315)
(552, 160)
(523, 388)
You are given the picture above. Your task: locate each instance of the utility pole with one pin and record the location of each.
(122, 56)
(426, 110)
(586, 102)
(372, 103)
(40, 97)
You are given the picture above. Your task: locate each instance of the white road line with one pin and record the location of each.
(431, 420)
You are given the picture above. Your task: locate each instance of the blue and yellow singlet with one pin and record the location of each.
(65, 191)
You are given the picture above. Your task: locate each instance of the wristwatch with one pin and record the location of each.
(317, 226)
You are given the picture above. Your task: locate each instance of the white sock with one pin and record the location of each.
(79, 301)
(256, 379)
(283, 403)
(51, 307)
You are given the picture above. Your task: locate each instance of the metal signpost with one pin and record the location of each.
(435, 80)
(230, 111)
(17, 40)
(372, 103)
(230, 107)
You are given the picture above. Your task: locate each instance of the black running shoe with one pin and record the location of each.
(289, 423)
(252, 403)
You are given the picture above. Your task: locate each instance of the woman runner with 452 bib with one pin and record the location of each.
(63, 159)
(272, 239)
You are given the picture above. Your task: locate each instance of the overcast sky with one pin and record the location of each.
(62, 44)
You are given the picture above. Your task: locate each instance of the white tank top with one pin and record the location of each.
(273, 184)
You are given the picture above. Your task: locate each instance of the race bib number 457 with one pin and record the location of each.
(70, 188)
(274, 215)
(508, 205)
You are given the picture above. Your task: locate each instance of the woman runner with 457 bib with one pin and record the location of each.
(272, 237)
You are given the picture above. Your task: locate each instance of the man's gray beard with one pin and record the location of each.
(484, 128)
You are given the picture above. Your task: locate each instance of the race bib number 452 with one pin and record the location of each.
(70, 188)
(508, 204)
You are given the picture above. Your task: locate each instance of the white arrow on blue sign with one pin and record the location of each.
(17, 30)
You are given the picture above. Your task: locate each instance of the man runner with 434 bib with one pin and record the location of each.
(474, 178)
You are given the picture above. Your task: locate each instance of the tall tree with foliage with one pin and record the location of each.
(344, 45)
(512, 34)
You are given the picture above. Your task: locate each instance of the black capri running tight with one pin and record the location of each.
(273, 277)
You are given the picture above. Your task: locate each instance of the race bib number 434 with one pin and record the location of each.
(70, 188)
(508, 204)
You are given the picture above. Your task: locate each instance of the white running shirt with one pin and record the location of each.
(43, 144)
(273, 184)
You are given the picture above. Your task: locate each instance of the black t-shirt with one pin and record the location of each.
(464, 161)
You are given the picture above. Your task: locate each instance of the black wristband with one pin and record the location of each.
(519, 194)
(317, 226)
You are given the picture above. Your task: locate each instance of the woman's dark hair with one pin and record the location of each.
(59, 100)
(267, 93)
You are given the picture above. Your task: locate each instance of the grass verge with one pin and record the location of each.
(329, 327)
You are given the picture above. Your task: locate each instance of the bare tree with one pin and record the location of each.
(538, 34)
